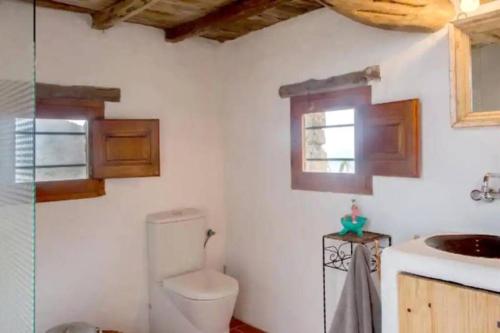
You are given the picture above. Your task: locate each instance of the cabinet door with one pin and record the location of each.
(432, 306)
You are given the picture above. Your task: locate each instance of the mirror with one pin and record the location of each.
(329, 141)
(475, 70)
(486, 76)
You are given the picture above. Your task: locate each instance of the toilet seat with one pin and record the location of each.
(202, 285)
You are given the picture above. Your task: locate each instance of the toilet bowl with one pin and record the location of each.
(206, 299)
(185, 297)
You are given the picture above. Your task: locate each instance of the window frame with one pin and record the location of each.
(68, 108)
(357, 183)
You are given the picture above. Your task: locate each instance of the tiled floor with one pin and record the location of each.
(238, 326)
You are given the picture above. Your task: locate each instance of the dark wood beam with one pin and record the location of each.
(344, 81)
(119, 12)
(234, 11)
(62, 6)
(44, 90)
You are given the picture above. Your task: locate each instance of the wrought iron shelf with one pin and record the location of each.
(338, 251)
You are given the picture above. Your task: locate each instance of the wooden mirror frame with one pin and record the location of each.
(461, 34)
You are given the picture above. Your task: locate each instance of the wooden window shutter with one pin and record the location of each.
(391, 138)
(125, 148)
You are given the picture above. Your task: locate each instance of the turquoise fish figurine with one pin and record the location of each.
(353, 223)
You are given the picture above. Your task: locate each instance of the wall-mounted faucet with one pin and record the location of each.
(486, 193)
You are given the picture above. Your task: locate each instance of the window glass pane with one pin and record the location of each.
(24, 150)
(24, 175)
(329, 118)
(60, 149)
(24, 125)
(331, 166)
(24, 154)
(336, 142)
(60, 173)
(61, 125)
(329, 142)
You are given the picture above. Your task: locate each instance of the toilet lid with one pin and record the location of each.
(202, 285)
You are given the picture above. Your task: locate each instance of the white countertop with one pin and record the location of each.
(415, 257)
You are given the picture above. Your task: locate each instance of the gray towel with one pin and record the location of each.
(359, 308)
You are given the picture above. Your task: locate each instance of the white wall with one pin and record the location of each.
(91, 254)
(16, 36)
(274, 233)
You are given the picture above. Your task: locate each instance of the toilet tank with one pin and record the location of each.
(175, 242)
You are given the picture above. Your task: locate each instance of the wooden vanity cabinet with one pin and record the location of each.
(433, 306)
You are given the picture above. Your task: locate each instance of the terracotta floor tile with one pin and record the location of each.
(236, 323)
(237, 326)
(250, 329)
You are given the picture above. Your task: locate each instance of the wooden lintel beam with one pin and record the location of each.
(119, 12)
(45, 90)
(345, 81)
(234, 11)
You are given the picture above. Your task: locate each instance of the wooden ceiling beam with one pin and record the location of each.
(62, 6)
(404, 15)
(231, 12)
(119, 12)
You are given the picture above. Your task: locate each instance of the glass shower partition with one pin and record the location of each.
(17, 195)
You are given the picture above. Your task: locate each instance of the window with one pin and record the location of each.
(24, 156)
(329, 141)
(77, 149)
(61, 150)
(340, 141)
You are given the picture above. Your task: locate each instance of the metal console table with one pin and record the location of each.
(338, 251)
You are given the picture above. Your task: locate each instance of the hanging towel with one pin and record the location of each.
(359, 308)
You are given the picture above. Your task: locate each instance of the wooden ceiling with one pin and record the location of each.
(224, 20)
(219, 20)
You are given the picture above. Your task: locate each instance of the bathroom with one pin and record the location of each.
(224, 148)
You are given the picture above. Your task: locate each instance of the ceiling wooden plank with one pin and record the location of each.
(63, 6)
(119, 12)
(281, 12)
(232, 12)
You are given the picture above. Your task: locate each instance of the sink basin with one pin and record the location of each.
(484, 246)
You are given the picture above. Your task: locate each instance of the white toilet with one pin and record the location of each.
(184, 296)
